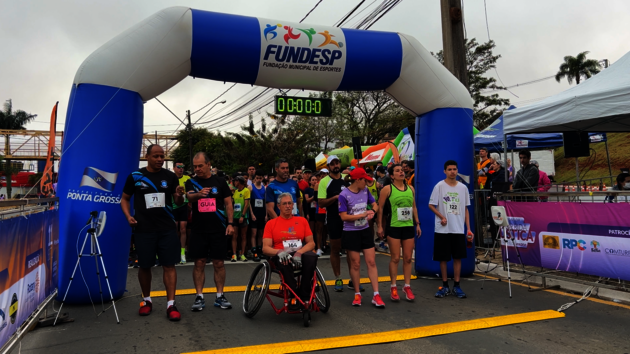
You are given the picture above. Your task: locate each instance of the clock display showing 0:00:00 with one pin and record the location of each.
(303, 106)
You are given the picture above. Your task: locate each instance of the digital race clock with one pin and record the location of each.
(304, 106)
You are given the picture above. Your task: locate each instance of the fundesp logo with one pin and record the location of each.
(302, 55)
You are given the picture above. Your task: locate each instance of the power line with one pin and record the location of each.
(163, 105)
(340, 22)
(522, 84)
(209, 103)
(314, 7)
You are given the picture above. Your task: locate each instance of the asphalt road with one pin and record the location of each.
(588, 327)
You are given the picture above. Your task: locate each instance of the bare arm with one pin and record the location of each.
(300, 211)
(416, 220)
(268, 249)
(436, 212)
(193, 197)
(125, 205)
(310, 245)
(382, 199)
(271, 213)
(345, 217)
(329, 201)
(468, 221)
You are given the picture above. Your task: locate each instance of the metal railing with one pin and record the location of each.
(21, 207)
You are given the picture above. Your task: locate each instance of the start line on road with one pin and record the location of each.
(391, 336)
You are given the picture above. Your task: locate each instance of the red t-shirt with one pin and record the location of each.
(281, 229)
(302, 185)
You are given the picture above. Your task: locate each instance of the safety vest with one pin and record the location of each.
(482, 179)
(410, 179)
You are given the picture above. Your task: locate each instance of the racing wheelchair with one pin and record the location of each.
(259, 287)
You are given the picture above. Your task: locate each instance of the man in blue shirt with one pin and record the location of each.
(282, 184)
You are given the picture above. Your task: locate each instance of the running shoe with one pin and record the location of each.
(457, 291)
(145, 308)
(377, 301)
(408, 293)
(394, 294)
(173, 314)
(338, 285)
(319, 253)
(443, 292)
(294, 305)
(199, 304)
(222, 302)
(233, 258)
(256, 257)
(242, 258)
(351, 286)
(357, 300)
(183, 259)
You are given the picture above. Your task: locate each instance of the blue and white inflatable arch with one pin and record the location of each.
(105, 113)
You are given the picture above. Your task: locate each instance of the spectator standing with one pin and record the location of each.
(449, 201)
(544, 183)
(510, 170)
(483, 166)
(408, 168)
(526, 179)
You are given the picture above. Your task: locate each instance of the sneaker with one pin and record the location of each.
(233, 258)
(183, 259)
(173, 314)
(242, 258)
(351, 286)
(256, 257)
(457, 291)
(222, 302)
(319, 253)
(357, 300)
(145, 308)
(408, 293)
(338, 285)
(443, 291)
(294, 305)
(377, 301)
(394, 294)
(199, 304)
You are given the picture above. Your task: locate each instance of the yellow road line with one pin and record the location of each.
(237, 289)
(605, 302)
(390, 336)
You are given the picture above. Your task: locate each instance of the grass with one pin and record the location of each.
(619, 148)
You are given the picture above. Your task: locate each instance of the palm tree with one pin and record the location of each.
(10, 119)
(577, 67)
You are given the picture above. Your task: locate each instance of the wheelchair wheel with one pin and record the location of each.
(321, 293)
(256, 289)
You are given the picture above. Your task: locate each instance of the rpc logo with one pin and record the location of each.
(570, 244)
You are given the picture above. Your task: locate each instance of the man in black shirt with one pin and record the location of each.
(155, 230)
(212, 221)
(328, 197)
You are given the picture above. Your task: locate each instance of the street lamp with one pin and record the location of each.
(189, 128)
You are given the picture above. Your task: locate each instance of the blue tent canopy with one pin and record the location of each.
(492, 138)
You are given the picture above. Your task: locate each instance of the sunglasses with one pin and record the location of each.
(180, 166)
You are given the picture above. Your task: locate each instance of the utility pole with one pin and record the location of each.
(453, 41)
(190, 144)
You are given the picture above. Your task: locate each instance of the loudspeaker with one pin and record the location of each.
(576, 144)
(356, 147)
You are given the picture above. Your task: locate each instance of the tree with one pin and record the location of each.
(578, 67)
(480, 59)
(10, 119)
(370, 115)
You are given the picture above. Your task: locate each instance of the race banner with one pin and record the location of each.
(29, 258)
(588, 238)
(46, 185)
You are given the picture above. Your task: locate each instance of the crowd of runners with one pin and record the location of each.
(209, 216)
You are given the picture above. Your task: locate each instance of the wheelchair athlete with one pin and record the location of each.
(288, 240)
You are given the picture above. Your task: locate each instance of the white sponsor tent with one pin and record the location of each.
(601, 103)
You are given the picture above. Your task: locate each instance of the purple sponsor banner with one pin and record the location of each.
(588, 238)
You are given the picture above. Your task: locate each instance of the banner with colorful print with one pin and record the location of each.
(29, 258)
(588, 238)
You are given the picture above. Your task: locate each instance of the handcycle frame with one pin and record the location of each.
(258, 289)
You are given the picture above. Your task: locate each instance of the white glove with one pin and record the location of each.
(284, 257)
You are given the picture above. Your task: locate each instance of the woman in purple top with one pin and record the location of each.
(356, 236)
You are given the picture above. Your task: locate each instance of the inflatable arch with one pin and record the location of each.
(105, 112)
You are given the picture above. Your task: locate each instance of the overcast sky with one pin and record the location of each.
(44, 43)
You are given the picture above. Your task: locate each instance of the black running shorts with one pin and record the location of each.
(181, 213)
(447, 246)
(165, 245)
(401, 233)
(357, 240)
(202, 244)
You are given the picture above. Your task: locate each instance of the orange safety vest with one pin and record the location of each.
(408, 180)
(482, 179)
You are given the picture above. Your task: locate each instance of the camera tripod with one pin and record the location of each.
(95, 251)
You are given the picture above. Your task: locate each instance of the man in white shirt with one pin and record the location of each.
(448, 202)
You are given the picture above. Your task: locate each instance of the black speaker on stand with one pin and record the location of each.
(576, 144)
